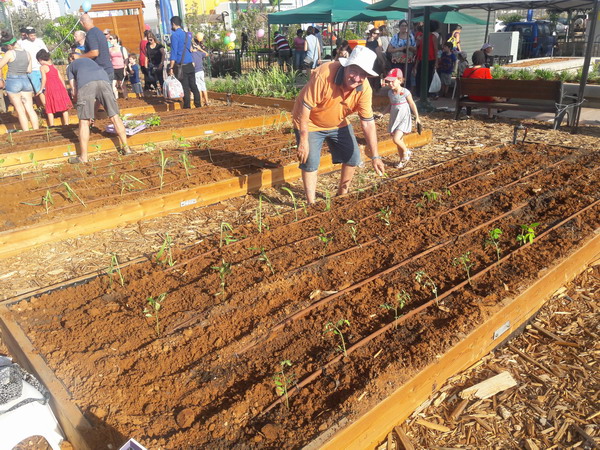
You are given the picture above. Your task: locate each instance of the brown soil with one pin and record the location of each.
(538, 62)
(208, 377)
(544, 410)
(110, 179)
(170, 120)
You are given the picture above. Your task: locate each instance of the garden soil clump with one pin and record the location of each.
(239, 305)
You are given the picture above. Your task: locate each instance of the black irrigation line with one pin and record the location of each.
(392, 325)
(356, 247)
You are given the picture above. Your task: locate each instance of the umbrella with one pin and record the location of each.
(389, 5)
(453, 17)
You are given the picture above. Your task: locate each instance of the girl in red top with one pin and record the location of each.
(57, 97)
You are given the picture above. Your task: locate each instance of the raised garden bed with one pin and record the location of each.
(54, 203)
(55, 143)
(207, 376)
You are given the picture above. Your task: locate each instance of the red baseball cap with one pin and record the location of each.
(393, 74)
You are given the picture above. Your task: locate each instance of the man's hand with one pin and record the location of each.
(302, 152)
(378, 166)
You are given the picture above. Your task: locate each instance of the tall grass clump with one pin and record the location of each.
(544, 74)
(272, 82)
(499, 72)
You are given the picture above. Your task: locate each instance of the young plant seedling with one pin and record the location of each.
(259, 221)
(33, 160)
(224, 269)
(291, 194)
(263, 257)
(114, 268)
(527, 234)
(128, 182)
(336, 328)
(185, 162)
(153, 309)
(401, 299)
(494, 240)
(327, 200)
(283, 381)
(432, 196)
(425, 280)
(324, 238)
(181, 141)
(165, 253)
(153, 121)
(353, 229)
(72, 194)
(163, 163)
(226, 236)
(47, 200)
(149, 146)
(465, 261)
(385, 214)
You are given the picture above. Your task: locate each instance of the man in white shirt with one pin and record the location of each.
(33, 45)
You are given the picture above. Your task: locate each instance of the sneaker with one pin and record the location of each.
(407, 157)
(401, 164)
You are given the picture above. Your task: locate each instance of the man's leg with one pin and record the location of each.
(193, 86)
(310, 186)
(120, 129)
(346, 179)
(185, 82)
(84, 139)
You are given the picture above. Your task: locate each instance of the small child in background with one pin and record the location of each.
(462, 63)
(401, 104)
(133, 69)
(57, 97)
(446, 67)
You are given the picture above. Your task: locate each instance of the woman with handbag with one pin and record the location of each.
(403, 48)
(312, 50)
(17, 85)
(155, 62)
(119, 57)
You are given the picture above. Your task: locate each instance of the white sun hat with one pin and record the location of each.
(361, 57)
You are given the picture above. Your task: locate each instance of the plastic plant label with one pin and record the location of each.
(209, 132)
(132, 444)
(184, 203)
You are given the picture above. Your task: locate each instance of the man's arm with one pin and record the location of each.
(370, 132)
(73, 89)
(303, 144)
(175, 44)
(91, 54)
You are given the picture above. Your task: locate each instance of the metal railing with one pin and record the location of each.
(236, 62)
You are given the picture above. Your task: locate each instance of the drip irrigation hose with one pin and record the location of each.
(412, 313)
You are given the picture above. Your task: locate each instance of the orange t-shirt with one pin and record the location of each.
(329, 104)
(481, 73)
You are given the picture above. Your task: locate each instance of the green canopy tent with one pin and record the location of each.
(332, 11)
(452, 17)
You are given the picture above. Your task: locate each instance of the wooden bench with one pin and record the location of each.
(549, 93)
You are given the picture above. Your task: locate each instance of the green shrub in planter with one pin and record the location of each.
(544, 74)
(563, 76)
(522, 74)
(499, 72)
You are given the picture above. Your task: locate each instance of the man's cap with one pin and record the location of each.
(394, 74)
(486, 46)
(30, 30)
(361, 57)
(23, 30)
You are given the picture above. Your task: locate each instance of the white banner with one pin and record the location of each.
(506, 4)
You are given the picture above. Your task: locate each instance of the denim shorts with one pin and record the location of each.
(342, 144)
(18, 83)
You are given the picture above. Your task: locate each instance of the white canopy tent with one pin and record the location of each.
(559, 5)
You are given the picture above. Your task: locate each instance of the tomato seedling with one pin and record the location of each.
(527, 234)
(401, 299)
(336, 329)
(153, 309)
(425, 280)
(465, 261)
(224, 269)
(283, 381)
(494, 240)
(385, 214)
(353, 229)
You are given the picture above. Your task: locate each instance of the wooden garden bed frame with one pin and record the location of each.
(371, 428)
(15, 241)
(105, 144)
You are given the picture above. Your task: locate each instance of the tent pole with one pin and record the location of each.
(487, 25)
(331, 40)
(586, 65)
(423, 104)
(407, 76)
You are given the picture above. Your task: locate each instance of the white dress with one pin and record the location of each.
(400, 117)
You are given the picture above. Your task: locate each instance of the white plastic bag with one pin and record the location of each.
(436, 84)
(172, 88)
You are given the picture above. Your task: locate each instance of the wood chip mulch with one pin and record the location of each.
(556, 401)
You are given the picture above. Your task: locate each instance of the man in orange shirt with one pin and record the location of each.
(335, 91)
